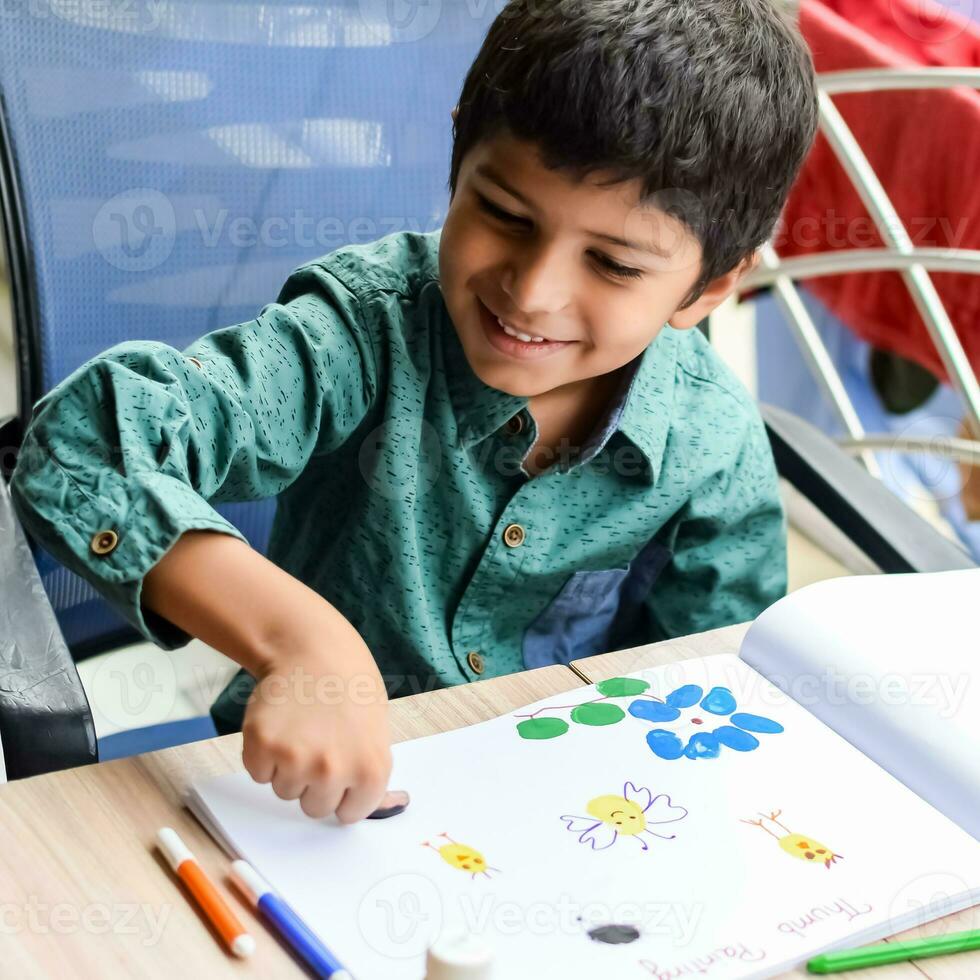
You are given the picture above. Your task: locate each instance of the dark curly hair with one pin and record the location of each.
(712, 104)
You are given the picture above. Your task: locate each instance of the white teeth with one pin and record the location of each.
(527, 338)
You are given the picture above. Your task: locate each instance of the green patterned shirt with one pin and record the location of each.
(402, 498)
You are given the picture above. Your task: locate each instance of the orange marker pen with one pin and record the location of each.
(204, 892)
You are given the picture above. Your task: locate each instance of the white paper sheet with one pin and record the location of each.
(722, 898)
(891, 663)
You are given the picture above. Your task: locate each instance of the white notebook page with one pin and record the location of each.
(892, 663)
(721, 898)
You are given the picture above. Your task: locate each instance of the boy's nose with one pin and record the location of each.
(539, 283)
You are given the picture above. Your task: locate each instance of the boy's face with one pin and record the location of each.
(537, 254)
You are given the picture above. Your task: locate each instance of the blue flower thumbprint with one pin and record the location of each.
(702, 745)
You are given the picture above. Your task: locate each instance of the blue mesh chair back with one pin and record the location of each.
(166, 166)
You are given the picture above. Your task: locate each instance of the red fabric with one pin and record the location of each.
(924, 146)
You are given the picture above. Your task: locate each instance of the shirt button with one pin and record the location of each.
(476, 662)
(514, 535)
(104, 542)
(515, 425)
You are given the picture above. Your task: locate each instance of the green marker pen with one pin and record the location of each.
(856, 959)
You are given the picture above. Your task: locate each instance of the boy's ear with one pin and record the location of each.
(715, 293)
(455, 113)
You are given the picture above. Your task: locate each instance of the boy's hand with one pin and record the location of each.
(316, 726)
(320, 734)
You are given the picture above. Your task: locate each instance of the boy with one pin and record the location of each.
(489, 451)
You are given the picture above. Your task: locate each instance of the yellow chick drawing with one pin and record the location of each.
(611, 817)
(462, 856)
(797, 845)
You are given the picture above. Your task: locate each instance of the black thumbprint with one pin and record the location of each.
(614, 935)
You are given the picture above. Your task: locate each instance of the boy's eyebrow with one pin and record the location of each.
(485, 170)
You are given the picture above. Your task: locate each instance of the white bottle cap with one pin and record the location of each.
(459, 956)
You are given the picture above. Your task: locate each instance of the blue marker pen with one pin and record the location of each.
(297, 934)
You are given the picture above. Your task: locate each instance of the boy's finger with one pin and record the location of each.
(286, 785)
(321, 800)
(360, 800)
(394, 802)
(258, 764)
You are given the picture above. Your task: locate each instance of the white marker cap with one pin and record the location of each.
(458, 956)
(252, 884)
(176, 851)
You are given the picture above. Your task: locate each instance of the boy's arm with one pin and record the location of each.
(140, 440)
(316, 726)
(120, 462)
(729, 560)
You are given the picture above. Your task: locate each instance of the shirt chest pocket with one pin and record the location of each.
(579, 621)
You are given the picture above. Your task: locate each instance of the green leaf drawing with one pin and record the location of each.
(597, 714)
(542, 728)
(621, 687)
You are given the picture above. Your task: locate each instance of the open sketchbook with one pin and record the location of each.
(659, 824)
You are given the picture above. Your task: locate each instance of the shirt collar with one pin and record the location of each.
(479, 409)
(645, 412)
(640, 409)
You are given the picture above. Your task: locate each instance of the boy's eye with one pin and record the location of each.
(618, 270)
(500, 213)
(613, 268)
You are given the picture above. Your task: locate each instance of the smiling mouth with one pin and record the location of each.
(518, 338)
(527, 338)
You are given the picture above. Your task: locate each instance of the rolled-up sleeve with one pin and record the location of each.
(130, 451)
(729, 551)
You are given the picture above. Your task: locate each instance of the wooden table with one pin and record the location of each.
(85, 894)
(962, 966)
